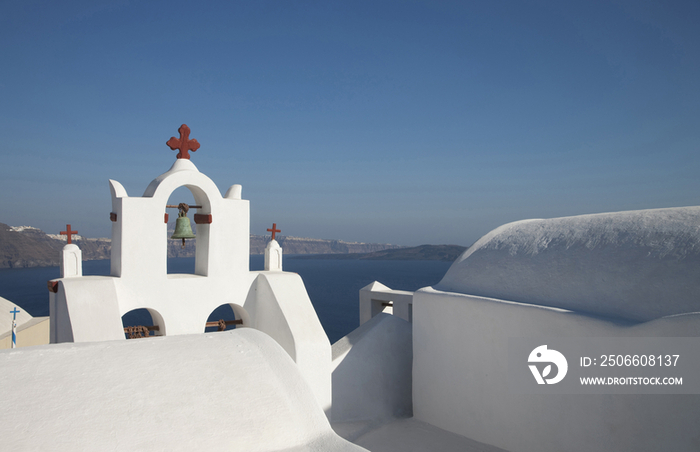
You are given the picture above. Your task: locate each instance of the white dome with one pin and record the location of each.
(637, 265)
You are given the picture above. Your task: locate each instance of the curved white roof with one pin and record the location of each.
(637, 265)
(235, 391)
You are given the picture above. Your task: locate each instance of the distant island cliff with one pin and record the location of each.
(26, 246)
(446, 253)
(299, 245)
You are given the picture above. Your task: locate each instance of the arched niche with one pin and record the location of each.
(229, 313)
(184, 173)
(142, 320)
(192, 195)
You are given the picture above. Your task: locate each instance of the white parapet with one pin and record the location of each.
(279, 306)
(461, 380)
(376, 298)
(372, 371)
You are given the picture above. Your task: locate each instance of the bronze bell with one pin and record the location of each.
(183, 227)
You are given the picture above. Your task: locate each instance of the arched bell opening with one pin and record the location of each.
(187, 240)
(226, 317)
(143, 322)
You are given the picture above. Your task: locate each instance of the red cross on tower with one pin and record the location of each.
(69, 233)
(184, 144)
(273, 230)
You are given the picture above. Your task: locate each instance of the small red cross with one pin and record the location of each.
(184, 144)
(69, 233)
(273, 230)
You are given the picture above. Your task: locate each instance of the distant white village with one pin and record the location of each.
(454, 367)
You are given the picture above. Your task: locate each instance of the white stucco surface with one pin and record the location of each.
(460, 380)
(372, 371)
(236, 390)
(412, 435)
(637, 265)
(279, 306)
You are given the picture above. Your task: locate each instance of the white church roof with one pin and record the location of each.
(236, 390)
(636, 265)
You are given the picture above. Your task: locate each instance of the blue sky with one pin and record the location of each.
(397, 122)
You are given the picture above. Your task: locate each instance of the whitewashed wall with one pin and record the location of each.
(460, 381)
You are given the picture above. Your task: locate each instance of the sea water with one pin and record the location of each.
(333, 285)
